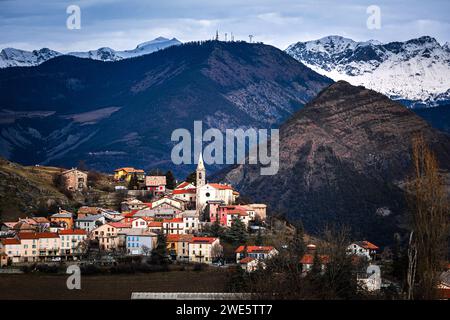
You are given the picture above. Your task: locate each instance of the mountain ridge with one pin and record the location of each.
(415, 70)
(10, 57)
(343, 158)
(126, 110)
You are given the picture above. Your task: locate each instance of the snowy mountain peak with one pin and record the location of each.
(155, 45)
(446, 46)
(10, 57)
(417, 69)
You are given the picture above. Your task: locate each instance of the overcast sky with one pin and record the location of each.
(33, 24)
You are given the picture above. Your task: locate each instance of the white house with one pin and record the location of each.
(11, 247)
(71, 241)
(250, 264)
(256, 252)
(139, 223)
(173, 226)
(201, 249)
(191, 221)
(140, 241)
(363, 249)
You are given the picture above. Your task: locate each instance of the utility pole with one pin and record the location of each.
(226, 34)
(217, 35)
(251, 38)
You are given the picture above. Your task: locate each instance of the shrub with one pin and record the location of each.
(90, 269)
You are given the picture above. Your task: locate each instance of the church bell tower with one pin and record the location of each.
(200, 173)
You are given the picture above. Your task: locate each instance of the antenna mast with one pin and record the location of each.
(251, 38)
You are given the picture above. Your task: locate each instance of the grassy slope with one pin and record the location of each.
(24, 189)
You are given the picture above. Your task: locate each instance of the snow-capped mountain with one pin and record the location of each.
(10, 57)
(108, 54)
(417, 70)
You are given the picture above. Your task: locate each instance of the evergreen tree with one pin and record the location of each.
(259, 239)
(160, 253)
(298, 247)
(316, 268)
(237, 234)
(192, 178)
(216, 229)
(170, 180)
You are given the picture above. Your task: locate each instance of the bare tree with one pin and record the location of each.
(217, 251)
(429, 208)
(146, 250)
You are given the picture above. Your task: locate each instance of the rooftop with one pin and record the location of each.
(254, 249)
(92, 217)
(208, 240)
(72, 232)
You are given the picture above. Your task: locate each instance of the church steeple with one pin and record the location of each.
(200, 173)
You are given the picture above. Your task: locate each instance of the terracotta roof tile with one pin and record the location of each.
(254, 249)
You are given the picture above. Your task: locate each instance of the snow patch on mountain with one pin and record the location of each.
(417, 69)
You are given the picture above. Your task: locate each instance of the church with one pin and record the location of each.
(211, 191)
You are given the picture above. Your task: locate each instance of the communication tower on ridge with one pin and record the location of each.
(251, 38)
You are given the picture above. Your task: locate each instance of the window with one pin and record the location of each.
(207, 194)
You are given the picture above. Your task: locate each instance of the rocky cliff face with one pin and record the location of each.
(342, 158)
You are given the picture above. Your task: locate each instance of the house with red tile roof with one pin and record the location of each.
(307, 261)
(228, 213)
(156, 184)
(188, 195)
(363, 249)
(72, 242)
(173, 226)
(204, 249)
(178, 246)
(107, 235)
(10, 248)
(256, 252)
(155, 226)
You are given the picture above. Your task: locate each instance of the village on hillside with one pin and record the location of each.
(182, 225)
